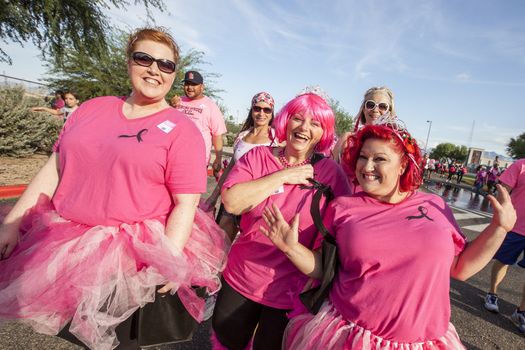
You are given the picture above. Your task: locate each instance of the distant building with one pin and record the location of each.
(487, 158)
(478, 156)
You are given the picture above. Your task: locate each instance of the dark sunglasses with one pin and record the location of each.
(371, 104)
(266, 110)
(145, 60)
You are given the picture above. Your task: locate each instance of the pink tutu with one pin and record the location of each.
(96, 277)
(329, 330)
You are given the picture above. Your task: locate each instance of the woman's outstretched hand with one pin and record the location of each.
(283, 235)
(504, 213)
(8, 239)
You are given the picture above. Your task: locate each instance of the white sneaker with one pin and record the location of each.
(491, 302)
(519, 318)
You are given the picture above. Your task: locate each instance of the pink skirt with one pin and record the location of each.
(329, 330)
(96, 277)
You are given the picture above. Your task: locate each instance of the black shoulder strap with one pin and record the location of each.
(321, 190)
(315, 211)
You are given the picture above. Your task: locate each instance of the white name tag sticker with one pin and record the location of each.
(166, 126)
(279, 190)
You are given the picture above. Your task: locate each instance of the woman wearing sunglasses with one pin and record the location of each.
(255, 131)
(397, 249)
(261, 286)
(377, 101)
(112, 214)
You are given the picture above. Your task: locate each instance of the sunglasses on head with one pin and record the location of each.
(371, 104)
(145, 60)
(266, 110)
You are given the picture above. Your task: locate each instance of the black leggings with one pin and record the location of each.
(235, 318)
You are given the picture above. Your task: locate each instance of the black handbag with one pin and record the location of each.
(165, 321)
(314, 297)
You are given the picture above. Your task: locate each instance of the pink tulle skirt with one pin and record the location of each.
(329, 330)
(96, 277)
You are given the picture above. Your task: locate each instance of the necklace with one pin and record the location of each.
(285, 163)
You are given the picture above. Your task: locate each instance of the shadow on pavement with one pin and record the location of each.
(471, 300)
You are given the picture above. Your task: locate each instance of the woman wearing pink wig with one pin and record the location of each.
(260, 284)
(397, 249)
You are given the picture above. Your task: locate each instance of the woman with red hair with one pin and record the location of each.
(397, 249)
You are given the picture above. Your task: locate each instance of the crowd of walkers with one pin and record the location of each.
(319, 243)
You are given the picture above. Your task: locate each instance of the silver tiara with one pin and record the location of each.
(316, 90)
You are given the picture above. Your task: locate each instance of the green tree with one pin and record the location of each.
(443, 150)
(23, 132)
(516, 147)
(52, 25)
(460, 153)
(344, 121)
(106, 74)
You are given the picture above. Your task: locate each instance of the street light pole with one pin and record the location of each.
(429, 127)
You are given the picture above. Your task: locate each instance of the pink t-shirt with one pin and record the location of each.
(208, 118)
(116, 170)
(394, 272)
(514, 177)
(256, 268)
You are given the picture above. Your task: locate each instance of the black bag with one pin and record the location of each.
(314, 297)
(164, 321)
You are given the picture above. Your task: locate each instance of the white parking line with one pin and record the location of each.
(462, 216)
(477, 228)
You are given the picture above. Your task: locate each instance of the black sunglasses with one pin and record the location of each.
(266, 110)
(145, 60)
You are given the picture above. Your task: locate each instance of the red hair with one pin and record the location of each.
(411, 179)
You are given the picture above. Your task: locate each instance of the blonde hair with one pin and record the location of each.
(360, 118)
(159, 35)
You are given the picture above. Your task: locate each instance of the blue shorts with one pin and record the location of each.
(511, 249)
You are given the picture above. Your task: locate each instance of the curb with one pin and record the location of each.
(11, 191)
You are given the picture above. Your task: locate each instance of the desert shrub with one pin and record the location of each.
(23, 132)
(229, 138)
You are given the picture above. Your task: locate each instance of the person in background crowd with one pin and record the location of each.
(397, 249)
(451, 171)
(260, 285)
(113, 213)
(462, 170)
(492, 178)
(481, 178)
(513, 180)
(71, 104)
(58, 101)
(205, 114)
(256, 131)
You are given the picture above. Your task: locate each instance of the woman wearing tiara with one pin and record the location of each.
(377, 101)
(260, 285)
(397, 249)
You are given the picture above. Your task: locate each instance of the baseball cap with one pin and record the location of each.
(193, 77)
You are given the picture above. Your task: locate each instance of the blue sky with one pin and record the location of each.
(447, 61)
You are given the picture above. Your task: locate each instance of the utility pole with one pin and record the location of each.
(428, 134)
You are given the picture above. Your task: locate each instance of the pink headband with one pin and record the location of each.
(263, 97)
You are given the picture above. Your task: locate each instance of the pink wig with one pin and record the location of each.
(319, 110)
(411, 178)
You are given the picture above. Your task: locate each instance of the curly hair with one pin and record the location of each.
(411, 179)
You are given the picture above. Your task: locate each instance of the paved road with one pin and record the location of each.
(478, 329)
